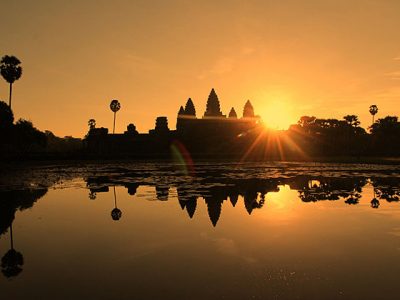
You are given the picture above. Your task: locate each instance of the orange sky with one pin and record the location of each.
(290, 58)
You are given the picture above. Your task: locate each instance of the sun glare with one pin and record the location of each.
(278, 115)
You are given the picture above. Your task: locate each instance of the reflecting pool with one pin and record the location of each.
(210, 231)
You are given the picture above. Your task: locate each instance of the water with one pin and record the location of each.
(210, 231)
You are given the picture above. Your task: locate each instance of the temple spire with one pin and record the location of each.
(181, 111)
(232, 113)
(213, 108)
(248, 110)
(189, 108)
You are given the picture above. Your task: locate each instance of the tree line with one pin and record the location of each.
(346, 137)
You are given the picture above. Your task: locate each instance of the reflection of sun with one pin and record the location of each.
(278, 115)
(282, 205)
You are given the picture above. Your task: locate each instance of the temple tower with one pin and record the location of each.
(248, 110)
(213, 108)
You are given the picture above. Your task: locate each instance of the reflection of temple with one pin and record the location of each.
(211, 187)
(214, 191)
(211, 134)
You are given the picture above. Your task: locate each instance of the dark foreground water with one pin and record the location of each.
(211, 231)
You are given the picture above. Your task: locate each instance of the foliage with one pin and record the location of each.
(115, 106)
(92, 123)
(352, 120)
(330, 136)
(373, 109)
(27, 137)
(131, 129)
(10, 68)
(6, 116)
(388, 126)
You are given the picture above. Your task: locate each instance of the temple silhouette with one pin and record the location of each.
(210, 134)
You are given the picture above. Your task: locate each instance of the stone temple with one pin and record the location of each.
(212, 134)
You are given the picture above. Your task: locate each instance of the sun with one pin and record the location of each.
(278, 115)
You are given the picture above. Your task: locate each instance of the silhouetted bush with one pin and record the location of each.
(6, 116)
(27, 138)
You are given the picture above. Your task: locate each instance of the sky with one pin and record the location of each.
(290, 58)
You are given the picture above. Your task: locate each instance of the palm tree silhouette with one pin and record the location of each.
(10, 70)
(373, 110)
(12, 261)
(92, 123)
(115, 106)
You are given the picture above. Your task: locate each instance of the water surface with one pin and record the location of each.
(210, 231)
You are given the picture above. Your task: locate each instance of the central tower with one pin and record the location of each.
(213, 108)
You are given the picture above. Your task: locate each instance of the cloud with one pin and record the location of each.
(395, 75)
(222, 66)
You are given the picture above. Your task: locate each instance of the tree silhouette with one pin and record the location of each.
(6, 116)
(27, 137)
(305, 121)
(232, 113)
(92, 124)
(387, 127)
(248, 110)
(373, 110)
(115, 106)
(131, 129)
(352, 120)
(11, 71)
(189, 108)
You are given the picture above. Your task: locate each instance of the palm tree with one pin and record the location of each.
(10, 70)
(92, 123)
(373, 110)
(352, 120)
(115, 106)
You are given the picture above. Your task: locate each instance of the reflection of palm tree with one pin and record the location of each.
(11, 71)
(115, 106)
(12, 261)
(374, 202)
(373, 110)
(92, 195)
(116, 213)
